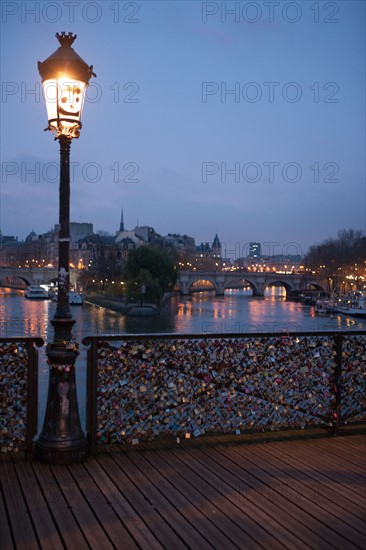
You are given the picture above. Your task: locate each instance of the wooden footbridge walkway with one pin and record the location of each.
(307, 493)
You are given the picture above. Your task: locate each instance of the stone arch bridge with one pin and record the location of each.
(33, 276)
(221, 280)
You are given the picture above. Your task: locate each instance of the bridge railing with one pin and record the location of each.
(18, 393)
(141, 387)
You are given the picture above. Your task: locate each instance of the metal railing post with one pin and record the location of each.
(32, 394)
(91, 392)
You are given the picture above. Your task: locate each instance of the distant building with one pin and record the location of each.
(255, 251)
(210, 250)
(145, 233)
(78, 231)
(8, 239)
(9, 250)
(134, 240)
(216, 247)
(208, 255)
(204, 249)
(33, 251)
(183, 243)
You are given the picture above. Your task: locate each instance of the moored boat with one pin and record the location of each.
(322, 307)
(33, 292)
(75, 298)
(353, 303)
(325, 305)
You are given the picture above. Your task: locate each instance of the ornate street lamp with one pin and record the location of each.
(65, 77)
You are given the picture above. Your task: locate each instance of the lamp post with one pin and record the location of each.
(65, 77)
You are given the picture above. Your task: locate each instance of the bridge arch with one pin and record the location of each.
(234, 283)
(195, 281)
(10, 280)
(278, 282)
(202, 285)
(35, 276)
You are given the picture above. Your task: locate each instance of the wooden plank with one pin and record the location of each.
(357, 457)
(92, 530)
(102, 510)
(204, 518)
(5, 531)
(218, 495)
(133, 491)
(356, 441)
(42, 519)
(320, 487)
(297, 479)
(321, 475)
(340, 533)
(273, 517)
(337, 448)
(68, 528)
(185, 531)
(342, 460)
(306, 454)
(114, 491)
(20, 521)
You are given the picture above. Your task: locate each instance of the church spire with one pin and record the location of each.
(122, 225)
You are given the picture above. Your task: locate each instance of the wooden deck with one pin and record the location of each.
(298, 494)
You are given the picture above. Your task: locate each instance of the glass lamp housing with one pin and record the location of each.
(65, 78)
(64, 101)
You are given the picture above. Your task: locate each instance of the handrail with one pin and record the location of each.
(334, 376)
(209, 335)
(23, 412)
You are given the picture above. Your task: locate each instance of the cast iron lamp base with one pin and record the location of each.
(62, 440)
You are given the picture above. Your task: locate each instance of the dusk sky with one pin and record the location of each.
(245, 119)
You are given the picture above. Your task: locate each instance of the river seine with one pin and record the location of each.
(238, 311)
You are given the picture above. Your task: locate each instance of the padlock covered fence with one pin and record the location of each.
(18, 393)
(142, 387)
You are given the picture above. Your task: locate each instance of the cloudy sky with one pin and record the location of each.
(245, 119)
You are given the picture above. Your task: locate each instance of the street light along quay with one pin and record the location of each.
(65, 77)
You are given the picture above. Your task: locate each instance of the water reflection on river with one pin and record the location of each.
(237, 311)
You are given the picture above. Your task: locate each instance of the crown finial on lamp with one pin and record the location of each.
(66, 39)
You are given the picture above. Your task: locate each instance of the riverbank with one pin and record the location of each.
(117, 304)
(114, 303)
